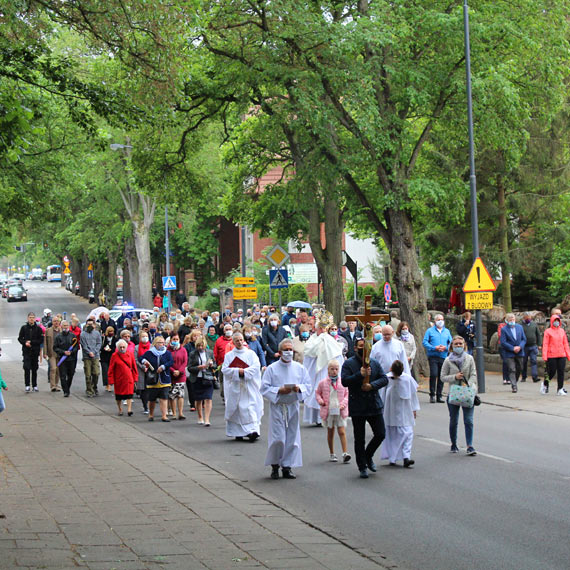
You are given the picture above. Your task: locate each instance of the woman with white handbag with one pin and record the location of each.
(460, 372)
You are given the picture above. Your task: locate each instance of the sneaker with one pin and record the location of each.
(546, 388)
(471, 451)
(454, 448)
(561, 392)
(36, 389)
(333, 457)
(515, 389)
(505, 382)
(201, 422)
(346, 457)
(372, 466)
(432, 399)
(28, 389)
(542, 388)
(145, 412)
(363, 474)
(535, 379)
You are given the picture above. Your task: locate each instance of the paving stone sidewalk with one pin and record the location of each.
(84, 489)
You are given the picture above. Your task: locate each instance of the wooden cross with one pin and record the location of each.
(367, 320)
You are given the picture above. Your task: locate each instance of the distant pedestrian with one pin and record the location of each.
(272, 335)
(513, 341)
(436, 342)
(364, 405)
(466, 329)
(50, 354)
(404, 335)
(201, 368)
(178, 376)
(180, 298)
(157, 301)
(91, 346)
(31, 338)
(108, 346)
(332, 396)
(555, 352)
(141, 390)
(533, 342)
(3, 387)
(400, 407)
(459, 368)
(123, 374)
(66, 344)
(211, 337)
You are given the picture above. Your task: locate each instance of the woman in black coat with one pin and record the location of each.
(201, 368)
(107, 348)
(272, 335)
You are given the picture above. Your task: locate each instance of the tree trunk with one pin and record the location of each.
(504, 243)
(111, 278)
(130, 276)
(329, 257)
(141, 236)
(408, 280)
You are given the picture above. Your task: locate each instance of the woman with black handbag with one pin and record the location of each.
(201, 368)
(459, 369)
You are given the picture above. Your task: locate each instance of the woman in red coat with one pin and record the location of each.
(123, 374)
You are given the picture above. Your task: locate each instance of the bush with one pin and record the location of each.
(298, 292)
(208, 302)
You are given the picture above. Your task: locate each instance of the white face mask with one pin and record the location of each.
(273, 323)
(439, 324)
(228, 333)
(287, 355)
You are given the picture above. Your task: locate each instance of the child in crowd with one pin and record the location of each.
(2, 405)
(332, 396)
(400, 407)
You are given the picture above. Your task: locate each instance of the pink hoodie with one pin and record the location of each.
(555, 341)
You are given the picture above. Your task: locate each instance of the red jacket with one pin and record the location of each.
(220, 349)
(123, 373)
(555, 341)
(180, 362)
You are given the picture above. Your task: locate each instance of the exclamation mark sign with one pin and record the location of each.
(478, 277)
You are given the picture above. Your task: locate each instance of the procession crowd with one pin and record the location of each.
(300, 355)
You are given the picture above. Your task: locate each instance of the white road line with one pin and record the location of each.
(6, 341)
(446, 444)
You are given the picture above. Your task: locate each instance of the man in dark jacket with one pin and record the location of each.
(31, 338)
(66, 344)
(364, 405)
(533, 342)
(180, 298)
(351, 335)
(272, 335)
(106, 321)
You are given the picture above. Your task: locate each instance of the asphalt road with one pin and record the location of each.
(506, 508)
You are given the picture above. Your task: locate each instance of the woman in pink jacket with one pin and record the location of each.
(332, 396)
(555, 352)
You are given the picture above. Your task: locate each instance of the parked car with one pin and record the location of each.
(17, 293)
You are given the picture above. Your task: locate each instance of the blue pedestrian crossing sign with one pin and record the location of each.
(278, 278)
(169, 283)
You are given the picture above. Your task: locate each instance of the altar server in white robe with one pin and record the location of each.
(389, 349)
(284, 384)
(242, 382)
(320, 349)
(400, 406)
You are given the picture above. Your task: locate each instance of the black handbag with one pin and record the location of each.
(150, 377)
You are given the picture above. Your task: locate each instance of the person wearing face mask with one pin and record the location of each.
(466, 329)
(320, 349)
(31, 337)
(351, 334)
(66, 344)
(242, 380)
(123, 373)
(143, 345)
(108, 347)
(272, 335)
(250, 336)
(389, 349)
(513, 341)
(333, 331)
(459, 368)
(436, 342)
(178, 375)
(201, 379)
(533, 341)
(284, 384)
(555, 352)
(365, 406)
(404, 335)
(91, 348)
(299, 343)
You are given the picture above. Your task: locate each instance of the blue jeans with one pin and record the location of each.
(435, 383)
(2, 404)
(467, 421)
(530, 353)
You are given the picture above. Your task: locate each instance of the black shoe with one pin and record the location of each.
(372, 466)
(151, 419)
(408, 463)
(253, 436)
(515, 389)
(454, 448)
(523, 380)
(535, 380)
(66, 395)
(239, 438)
(275, 471)
(546, 388)
(440, 400)
(287, 473)
(432, 399)
(129, 413)
(363, 474)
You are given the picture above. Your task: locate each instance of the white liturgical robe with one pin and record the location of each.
(319, 351)
(284, 437)
(244, 404)
(386, 352)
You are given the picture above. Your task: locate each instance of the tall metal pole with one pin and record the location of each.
(356, 282)
(167, 252)
(480, 357)
(243, 261)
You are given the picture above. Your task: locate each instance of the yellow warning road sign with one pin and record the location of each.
(479, 301)
(478, 279)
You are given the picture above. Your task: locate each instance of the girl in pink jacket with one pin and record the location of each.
(332, 396)
(555, 351)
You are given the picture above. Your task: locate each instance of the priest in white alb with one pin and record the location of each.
(389, 349)
(400, 407)
(320, 349)
(284, 384)
(242, 382)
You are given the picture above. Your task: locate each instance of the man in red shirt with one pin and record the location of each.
(220, 353)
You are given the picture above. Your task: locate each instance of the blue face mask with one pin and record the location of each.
(512, 324)
(175, 344)
(556, 323)
(458, 350)
(378, 336)
(305, 334)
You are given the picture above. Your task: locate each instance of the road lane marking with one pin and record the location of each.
(6, 341)
(447, 444)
